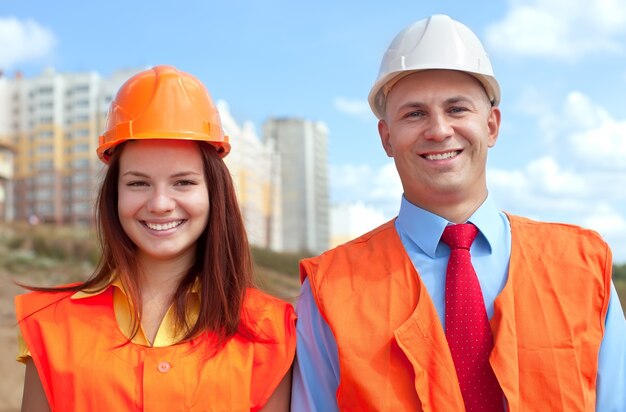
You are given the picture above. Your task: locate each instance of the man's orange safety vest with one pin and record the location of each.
(547, 325)
(85, 362)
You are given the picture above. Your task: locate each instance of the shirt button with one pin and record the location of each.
(164, 366)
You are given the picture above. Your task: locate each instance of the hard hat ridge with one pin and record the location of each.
(437, 42)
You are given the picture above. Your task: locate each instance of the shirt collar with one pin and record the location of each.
(166, 334)
(117, 283)
(425, 228)
(114, 281)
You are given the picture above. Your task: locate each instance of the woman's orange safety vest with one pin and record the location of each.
(85, 362)
(548, 322)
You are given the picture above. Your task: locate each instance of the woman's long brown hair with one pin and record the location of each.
(223, 264)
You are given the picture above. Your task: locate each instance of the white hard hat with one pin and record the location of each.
(437, 42)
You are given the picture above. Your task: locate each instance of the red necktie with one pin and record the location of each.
(467, 327)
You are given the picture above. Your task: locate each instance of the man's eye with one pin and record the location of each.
(458, 109)
(415, 114)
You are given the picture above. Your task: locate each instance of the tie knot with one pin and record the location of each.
(459, 236)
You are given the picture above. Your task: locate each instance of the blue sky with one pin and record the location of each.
(561, 64)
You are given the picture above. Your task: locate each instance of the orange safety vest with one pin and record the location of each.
(548, 322)
(85, 362)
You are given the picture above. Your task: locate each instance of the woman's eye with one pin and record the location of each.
(186, 183)
(136, 183)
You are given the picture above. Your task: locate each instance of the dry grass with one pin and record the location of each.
(620, 285)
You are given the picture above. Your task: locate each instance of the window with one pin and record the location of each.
(80, 148)
(81, 119)
(80, 177)
(81, 133)
(44, 209)
(46, 148)
(80, 163)
(80, 88)
(44, 179)
(45, 164)
(43, 195)
(82, 207)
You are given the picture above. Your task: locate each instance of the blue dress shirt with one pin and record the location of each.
(316, 370)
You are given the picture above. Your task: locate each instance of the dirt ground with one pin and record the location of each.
(12, 374)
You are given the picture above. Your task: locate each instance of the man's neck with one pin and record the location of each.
(458, 211)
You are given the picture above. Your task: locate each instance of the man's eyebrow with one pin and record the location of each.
(459, 99)
(411, 105)
(450, 100)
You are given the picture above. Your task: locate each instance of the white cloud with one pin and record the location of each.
(376, 188)
(352, 107)
(603, 147)
(386, 183)
(540, 188)
(580, 112)
(350, 220)
(599, 140)
(23, 40)
(606, 220)
(550, 179)
(560, 28)
(543, 190)
(585, 136)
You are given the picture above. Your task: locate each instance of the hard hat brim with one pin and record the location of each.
(105, 150)
(381, 88)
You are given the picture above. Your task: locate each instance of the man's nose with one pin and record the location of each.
(439, 127)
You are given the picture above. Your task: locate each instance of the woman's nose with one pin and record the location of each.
(161, 202)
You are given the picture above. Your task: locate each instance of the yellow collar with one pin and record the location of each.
(166, 334)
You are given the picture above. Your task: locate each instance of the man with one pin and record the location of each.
(533, 322)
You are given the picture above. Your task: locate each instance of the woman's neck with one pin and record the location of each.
(158, 282)
(159, 275)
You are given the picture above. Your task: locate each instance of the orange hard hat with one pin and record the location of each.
(162, 103)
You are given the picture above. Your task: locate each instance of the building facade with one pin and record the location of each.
(7, 154)
(55, 120)
(303, 148)
(256, 171)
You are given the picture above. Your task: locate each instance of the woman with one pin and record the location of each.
(169, 320)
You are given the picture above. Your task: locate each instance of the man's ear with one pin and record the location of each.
(383, 132)
(493, 125)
